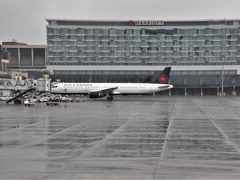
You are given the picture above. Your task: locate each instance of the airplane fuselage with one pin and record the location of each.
(118, 88)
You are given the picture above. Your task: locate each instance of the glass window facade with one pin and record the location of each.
(128, 43)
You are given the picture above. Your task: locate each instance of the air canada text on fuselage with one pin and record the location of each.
(77, 84)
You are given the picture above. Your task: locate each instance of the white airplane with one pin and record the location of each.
(99, 90)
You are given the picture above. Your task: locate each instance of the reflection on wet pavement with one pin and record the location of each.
(149, 137)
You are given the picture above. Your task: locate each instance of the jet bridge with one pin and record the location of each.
(24, 86)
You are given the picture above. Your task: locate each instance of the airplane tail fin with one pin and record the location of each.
(163, 77)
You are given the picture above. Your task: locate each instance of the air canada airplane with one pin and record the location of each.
(99, 90)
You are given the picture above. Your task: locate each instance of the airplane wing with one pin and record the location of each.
(108, 90)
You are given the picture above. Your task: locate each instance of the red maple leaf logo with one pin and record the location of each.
(163, 78)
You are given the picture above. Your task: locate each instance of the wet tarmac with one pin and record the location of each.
(141, 137)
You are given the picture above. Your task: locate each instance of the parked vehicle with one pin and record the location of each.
(44, 99)
(62, 98)
(5, 98)
(52, 103)
(28, 102)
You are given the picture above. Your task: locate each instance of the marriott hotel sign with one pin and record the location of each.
(146, 23)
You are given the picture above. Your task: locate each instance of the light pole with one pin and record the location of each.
(234, 84)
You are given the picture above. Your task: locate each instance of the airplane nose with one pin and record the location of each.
(170, 86)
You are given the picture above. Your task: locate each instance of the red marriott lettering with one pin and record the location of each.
(146, 23)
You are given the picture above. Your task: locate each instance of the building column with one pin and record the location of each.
(32, 55)
(5, 67)
(19, 56)
(45, 56)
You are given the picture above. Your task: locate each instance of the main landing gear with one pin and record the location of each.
(109, 98)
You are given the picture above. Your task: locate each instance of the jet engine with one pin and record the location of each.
(96, 94)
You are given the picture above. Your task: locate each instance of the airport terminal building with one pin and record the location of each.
(200, 52)
(22, 57)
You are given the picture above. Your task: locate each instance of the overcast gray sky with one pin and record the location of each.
(24, 20)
